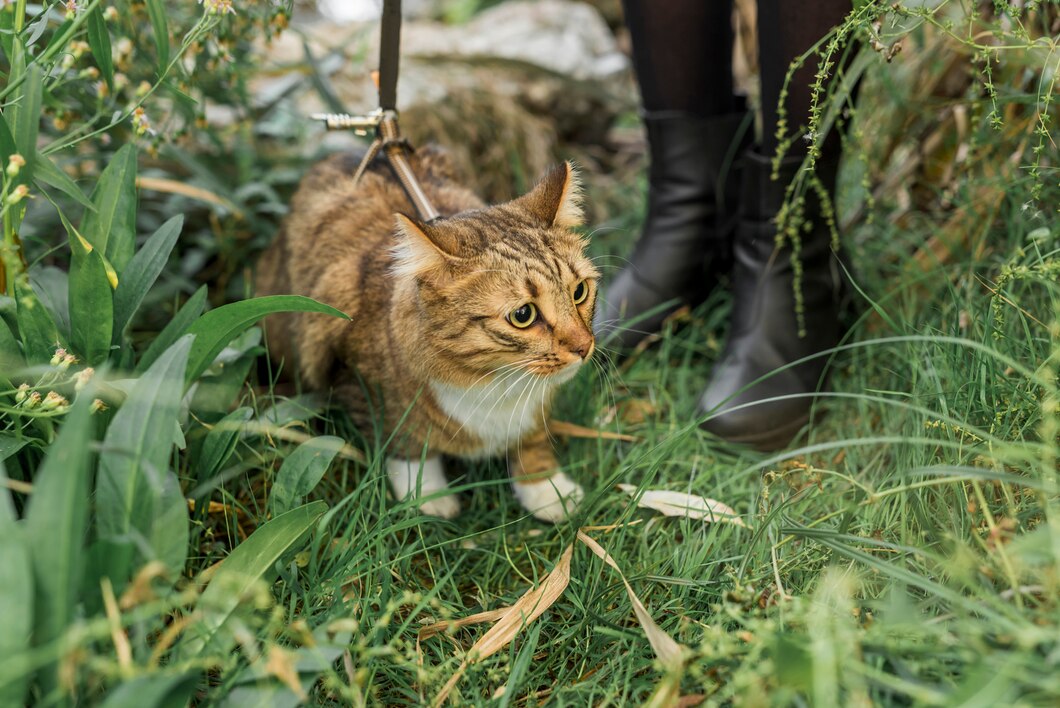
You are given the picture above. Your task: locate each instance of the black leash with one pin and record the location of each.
(385, 118)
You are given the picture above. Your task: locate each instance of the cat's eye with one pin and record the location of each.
(581, 291)
(524, 316)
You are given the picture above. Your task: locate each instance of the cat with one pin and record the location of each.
(460, 329)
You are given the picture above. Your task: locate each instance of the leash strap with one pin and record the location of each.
(384, 120)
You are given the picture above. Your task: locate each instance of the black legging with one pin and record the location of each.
(682, 54)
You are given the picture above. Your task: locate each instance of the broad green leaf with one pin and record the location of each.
(55, 526)
(47, 172)
(9, 445)
(52, 287)
(111, 228)
(220, 443)
(26, 112)
(91, 301)
(301, 472)
(99, 41)
(142, 271)
(35, 325)
(7, 139)
(177, 328)
(16, 596)
(134, 462)
(249, 563)
(11, 359)
(161, 32)
(153, 691)
(169, 530)
(218, 327)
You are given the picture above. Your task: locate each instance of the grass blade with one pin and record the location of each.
(99, 42)
(142, 272)
(526, 609)
(217, 328)
(35, 325)
(177, 328)
(251, 562)
(56, 521)
(161, 32)
(301, 472)
(134, 463)
(112, 226)
(16, 596)
(91, 300)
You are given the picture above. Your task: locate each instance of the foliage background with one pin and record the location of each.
(202, 533)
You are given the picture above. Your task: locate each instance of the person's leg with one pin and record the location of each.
(774, 322)
(682, 54)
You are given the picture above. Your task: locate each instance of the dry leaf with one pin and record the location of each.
(668, 651)
(528, 608)
(635, 411)
(571, 430)
(281, 664)
(444, 626)
(681, 504)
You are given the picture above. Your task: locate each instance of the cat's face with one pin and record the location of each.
(506, 290)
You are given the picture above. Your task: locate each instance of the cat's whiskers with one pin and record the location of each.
(529, 397)
(511, 366)
(518, 373)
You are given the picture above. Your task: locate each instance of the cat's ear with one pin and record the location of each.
(421, 247)
(556, 200)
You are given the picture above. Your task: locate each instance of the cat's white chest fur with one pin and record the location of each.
(499, 413)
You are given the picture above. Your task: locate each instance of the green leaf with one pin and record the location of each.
(35, 325)
(11, 359)
(142, 272)
(134, 462)
(153, 691)
(99, 42)
(218, 327)
(48, 173)
(221, 442)
(251, 562)
(158, 25)
(111, 228)
(91, 301)
(26, 120)
(177, 328)
(55, 526)
(302, 471)
(169, 530)
(16, 596)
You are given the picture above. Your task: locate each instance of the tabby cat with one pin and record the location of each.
(461, 329)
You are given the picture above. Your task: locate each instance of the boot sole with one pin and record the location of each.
(771, 440)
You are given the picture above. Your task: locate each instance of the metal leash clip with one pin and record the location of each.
(360, 125)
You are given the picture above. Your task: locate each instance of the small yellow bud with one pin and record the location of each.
(98, 406)
(110, 14)
(59, 355)
(23, 392)
(53, 401)
(82, 378)
(33, 400)
(18, 194)
(15, 163)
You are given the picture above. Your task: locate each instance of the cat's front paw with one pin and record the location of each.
(447, 507)
(553, 499)
(409, 479)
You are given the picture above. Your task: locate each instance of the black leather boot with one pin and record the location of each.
(765, 332)
(692, 190)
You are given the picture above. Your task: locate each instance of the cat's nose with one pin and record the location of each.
(581, 344)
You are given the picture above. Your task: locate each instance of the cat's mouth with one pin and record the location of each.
(562, 374)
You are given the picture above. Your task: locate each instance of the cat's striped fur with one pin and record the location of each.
(431, 351)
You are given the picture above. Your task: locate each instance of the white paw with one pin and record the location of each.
(407, 478)
(552, 499)
(445, 507)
